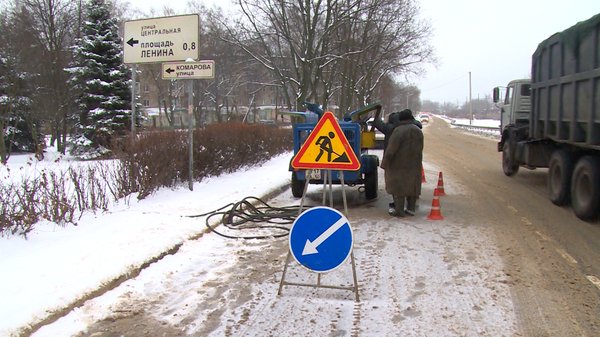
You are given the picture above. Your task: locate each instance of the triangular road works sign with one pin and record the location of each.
(326, 148)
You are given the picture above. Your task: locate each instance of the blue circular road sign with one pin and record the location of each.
(321, 239)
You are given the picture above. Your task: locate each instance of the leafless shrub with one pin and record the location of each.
(56, 203)
(161, 159)
(153, 160)
(224, 148)
(18, 202)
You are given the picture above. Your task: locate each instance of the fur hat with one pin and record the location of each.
(405, 115)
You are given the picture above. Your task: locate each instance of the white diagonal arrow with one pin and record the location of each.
(311, 247)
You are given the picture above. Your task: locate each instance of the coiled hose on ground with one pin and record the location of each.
(252, 214)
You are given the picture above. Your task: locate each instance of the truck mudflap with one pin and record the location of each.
(513, 133)
(535, 153)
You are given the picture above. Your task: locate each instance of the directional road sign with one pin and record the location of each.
(188, 70)
(326, 148)
(170, 38)
(321, 239)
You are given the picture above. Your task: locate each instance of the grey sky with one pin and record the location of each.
(492, 39)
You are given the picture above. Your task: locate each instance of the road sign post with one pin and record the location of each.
(326, 148)
(204, 69)
(133, 101)
(191, 133)
(163, 39)
(321, 240)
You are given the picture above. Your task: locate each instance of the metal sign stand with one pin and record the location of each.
(180, 44)
(326, 179)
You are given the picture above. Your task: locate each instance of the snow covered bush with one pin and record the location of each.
(154, 160)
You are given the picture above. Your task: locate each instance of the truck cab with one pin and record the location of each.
(514, 102)
(515, 106)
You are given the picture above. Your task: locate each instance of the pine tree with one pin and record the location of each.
(20, 130)
(19, 126)
(101, 80)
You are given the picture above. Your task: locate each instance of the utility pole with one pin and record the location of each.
(470, 101)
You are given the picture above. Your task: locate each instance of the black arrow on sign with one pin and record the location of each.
(132, 42)
(169, 70)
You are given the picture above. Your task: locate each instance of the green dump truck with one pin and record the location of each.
(553, 120)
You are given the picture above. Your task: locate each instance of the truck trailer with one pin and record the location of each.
(553, 119)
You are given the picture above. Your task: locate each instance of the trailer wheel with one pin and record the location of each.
(371, 185)
(509, 166)
(559, 177)
(297, 186)
(585, 188)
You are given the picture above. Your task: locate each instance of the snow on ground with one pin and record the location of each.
(483, 127)
(476, 122)
(445, 270)
(55, 265)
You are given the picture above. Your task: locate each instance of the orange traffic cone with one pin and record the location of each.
(423, 180)
(439, 190)
(436, 213)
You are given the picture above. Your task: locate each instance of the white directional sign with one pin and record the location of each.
(188, 70)
(171, 38)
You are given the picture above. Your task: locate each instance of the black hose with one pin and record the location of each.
(244, 215)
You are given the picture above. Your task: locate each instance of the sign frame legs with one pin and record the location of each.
(354, 287)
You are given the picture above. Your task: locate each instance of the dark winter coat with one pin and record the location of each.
(387, 128)
(402, 160)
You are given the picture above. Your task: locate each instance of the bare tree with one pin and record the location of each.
(394, 42)
(152, 73)
(236, 74)
(323, 49)
(288, 38)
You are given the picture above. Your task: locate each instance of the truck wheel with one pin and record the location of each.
(559, 177)
(509, 166)
(297, 186)
(585, 188)
(371, 185)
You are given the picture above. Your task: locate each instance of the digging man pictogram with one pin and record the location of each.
(324, 143)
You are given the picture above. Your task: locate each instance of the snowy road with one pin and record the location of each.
(416, 278)
(499, 264)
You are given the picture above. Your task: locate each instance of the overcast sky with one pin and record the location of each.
(492, 39)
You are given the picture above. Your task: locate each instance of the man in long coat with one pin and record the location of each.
(402, 162)
(387, 128)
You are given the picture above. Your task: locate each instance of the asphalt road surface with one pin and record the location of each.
(552, 257)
